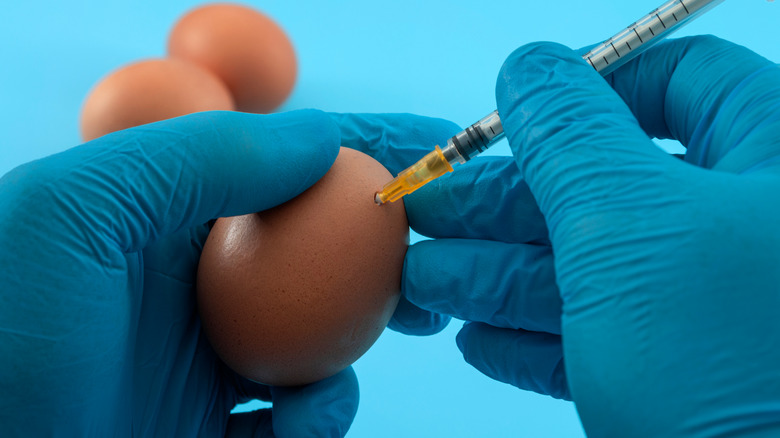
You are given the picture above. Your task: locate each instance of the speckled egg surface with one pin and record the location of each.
(297, 293)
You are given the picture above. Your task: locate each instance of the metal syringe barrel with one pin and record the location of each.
(474, 139)
(605, 58)
(645, 32)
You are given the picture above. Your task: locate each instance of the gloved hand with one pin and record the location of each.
(666, 269)
(98, 251)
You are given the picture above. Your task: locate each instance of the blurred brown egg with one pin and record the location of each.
(297, 293)
(246, 49)
(149, 91)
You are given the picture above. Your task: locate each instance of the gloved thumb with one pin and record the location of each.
(575, 140)
(136, 185)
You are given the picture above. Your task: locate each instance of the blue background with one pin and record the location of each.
(433, 58)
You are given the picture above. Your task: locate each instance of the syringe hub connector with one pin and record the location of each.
(428, 168)
(475, 139)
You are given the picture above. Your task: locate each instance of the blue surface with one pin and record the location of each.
(433, 58)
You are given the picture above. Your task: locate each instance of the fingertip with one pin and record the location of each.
(538, 68)
(573, 137)
(254, 423)
(462, 336)
(395, 140)
(439, 209)
(541, 58)
(317, 134)
(324, 408)
(476, 351)
(409, 319)
(277, 156)
(518, 57)
(527, 360)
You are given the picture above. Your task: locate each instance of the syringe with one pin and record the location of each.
(605, 58)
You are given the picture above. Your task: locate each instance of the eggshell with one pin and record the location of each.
(297, 293)
(148, 91)
(242, 46)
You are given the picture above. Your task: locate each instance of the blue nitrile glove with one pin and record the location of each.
(99, 246)
(668, 270)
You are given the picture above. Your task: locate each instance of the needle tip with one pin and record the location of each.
(378, 199)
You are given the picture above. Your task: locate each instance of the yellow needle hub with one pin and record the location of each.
(428, 168)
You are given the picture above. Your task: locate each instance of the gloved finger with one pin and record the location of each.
(504, 285)
(485, 198)
(395, 140)
(711, 95)
(412, 320)
(322, 409)
(254, 424)
(248, 390)
(578, 146)
(325, 408)
(528, 360)
(132, 186)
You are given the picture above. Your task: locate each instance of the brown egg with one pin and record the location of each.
(149, 91)
(297, 293)
(245, 48)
